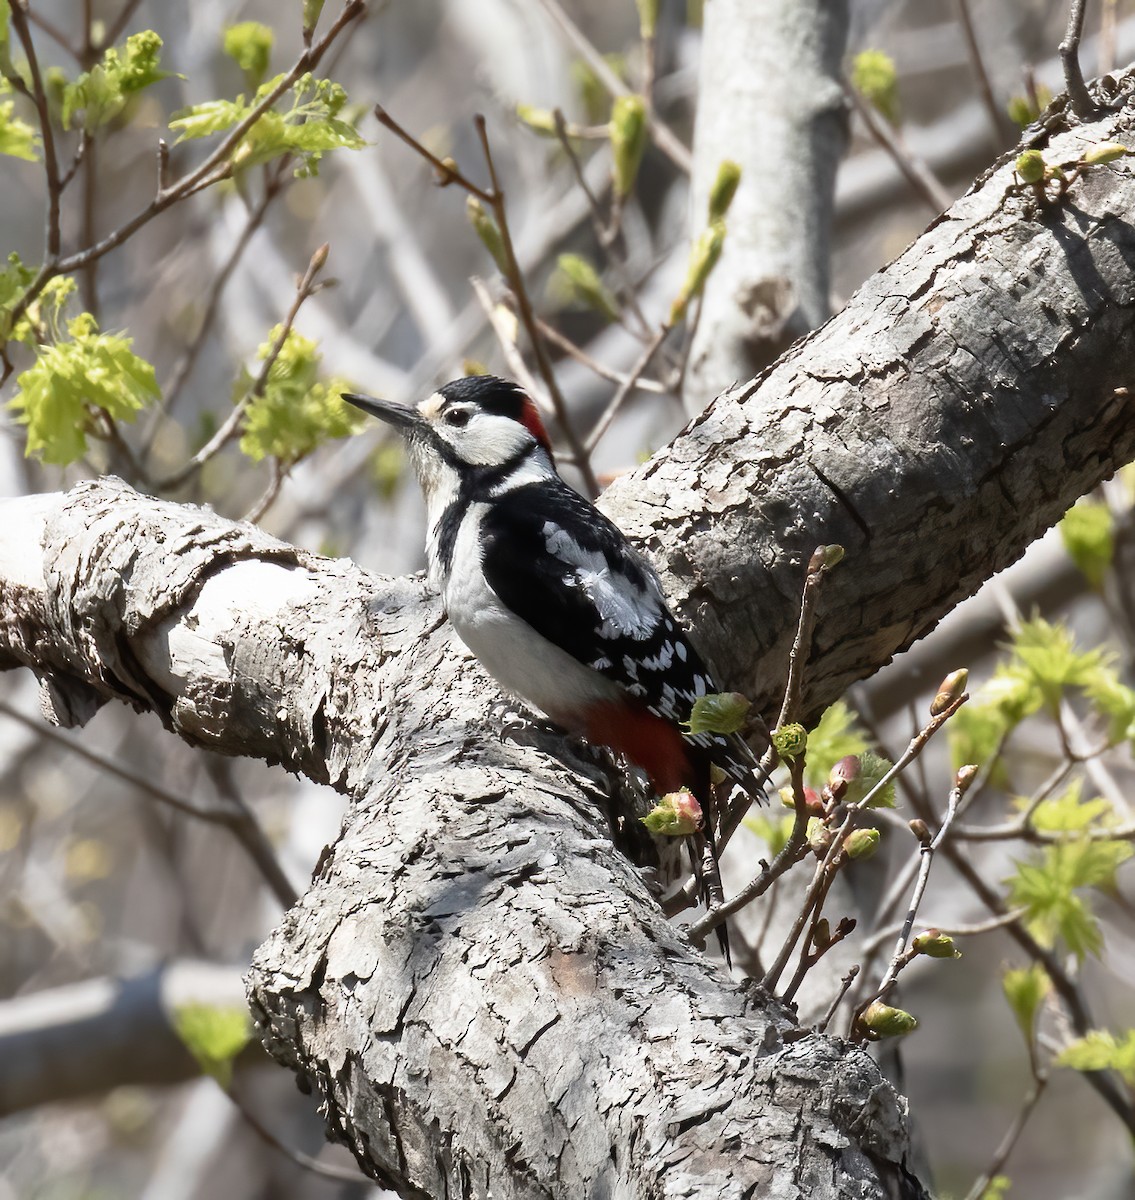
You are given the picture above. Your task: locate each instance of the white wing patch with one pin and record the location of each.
(624, 610)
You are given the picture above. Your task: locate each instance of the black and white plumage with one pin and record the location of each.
(547, 592)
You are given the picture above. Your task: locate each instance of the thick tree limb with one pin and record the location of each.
(483, 991)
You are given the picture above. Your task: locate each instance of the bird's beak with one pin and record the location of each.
(401, 416)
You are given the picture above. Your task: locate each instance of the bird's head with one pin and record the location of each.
(477, 422)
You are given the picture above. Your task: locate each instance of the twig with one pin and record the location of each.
(114, 28)
(1001, 1154)
(235, 815)
(1004, 131)
(845, 984)
(268, 496)
(528, 317)
(924, 182)
(628, 385)
(1107, 37)
(304, 288)
(557, 339)
(821, 878)
(902, 955)
(1079, 96)
(664, 137)
(19, 17)
(216, 166)
(327, 1170)
(512, 356)
(275, 183)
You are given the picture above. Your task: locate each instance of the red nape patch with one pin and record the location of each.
(648, 741)
(530, 419)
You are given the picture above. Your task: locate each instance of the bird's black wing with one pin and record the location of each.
(565, 569)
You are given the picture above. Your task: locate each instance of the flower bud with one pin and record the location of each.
(935, 944)
(677, 814)
(882, 1021)
(1030, 166)
(952, 687)
(920, 830)
(861, 843)
(790, 740)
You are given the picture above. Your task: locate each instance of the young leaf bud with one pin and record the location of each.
(953, 686)
(844, 772)
(311, 11)
(628, 133)
(920, 830)
(647, 17)
(883, 1021)
(822, 934)
(703, 258)
(861, 843)
(819, 836)
(677, 814)
(724, 189)
(825, 557)
(965, 776)
(486, 229)
(790, 740)
(935, 944)
(539, 120)
(873, 73)
(579, 282)
(1030, 166)
(1103, 152)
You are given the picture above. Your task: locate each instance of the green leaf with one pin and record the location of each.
(309, 129)
(1101, 1051)
(249, 45)
(1046, 656)
(871, 771)
(1046, 887)
(790, 741)
(1116, 701)
(18, 139)
(1026, 988)
(1069, 812)
(214, 1034)
(68, 379)
(1024, 111)
(101, 93)
(719, 712)
(296, 412)
(873, 74)
(1088, 533)
(837, 735)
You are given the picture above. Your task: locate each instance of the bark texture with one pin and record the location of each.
(483, 992)
(964, 398)
(769, 98)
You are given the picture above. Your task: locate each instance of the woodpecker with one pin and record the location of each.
(548, 593)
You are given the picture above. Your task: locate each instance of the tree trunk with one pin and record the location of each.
(480, 986)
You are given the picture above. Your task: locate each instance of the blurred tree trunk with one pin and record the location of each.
(481, 988)
(769, 98)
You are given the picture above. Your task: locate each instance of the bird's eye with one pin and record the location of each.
(458, 417)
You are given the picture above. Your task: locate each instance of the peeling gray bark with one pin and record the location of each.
(770, 99)
(482, 990)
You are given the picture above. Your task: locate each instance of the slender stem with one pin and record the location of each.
(1001, 1154)
(551, 334)
(268, 496)
(845, 985)
(235, 815)
(52, 236)
(114, 29)
(1107, 37)
(528, 317)
(924, 182)
(625, 389)
(1079, 96)
(664, 137)
(1004, 131)
(231, 425)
